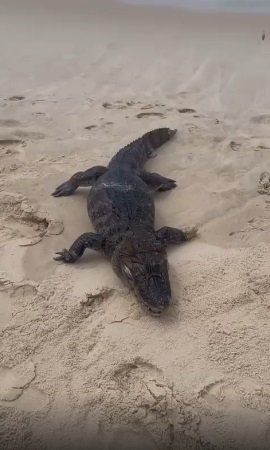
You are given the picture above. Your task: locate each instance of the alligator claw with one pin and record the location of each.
(66, 256)
(191, 233)
(64, 189)
(168, 185)
(58, 258)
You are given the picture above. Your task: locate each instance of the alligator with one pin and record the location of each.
(121, 207)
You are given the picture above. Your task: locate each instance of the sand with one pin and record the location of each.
(102, 373)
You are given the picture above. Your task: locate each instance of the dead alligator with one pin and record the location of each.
(121, 208)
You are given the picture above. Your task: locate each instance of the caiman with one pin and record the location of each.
(121, 207)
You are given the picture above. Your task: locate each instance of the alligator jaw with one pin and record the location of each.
(155, 311)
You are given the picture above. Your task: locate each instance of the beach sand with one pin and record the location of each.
(105, 374)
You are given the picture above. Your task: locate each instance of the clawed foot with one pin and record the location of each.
(66, 256)
(191, 233)
(167, 185)
(64, 189)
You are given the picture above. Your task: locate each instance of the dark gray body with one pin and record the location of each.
(116, 208)
(121, 207)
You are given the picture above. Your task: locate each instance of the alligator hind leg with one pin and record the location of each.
(86, 240)
(169, 235)
(157, 182)
(87, 178)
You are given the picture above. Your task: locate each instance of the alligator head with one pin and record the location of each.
(141, 262)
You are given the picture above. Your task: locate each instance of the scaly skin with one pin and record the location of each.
(121, 207)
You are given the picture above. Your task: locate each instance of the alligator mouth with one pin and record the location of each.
(155, 294)
(155, 311)
(156, 305)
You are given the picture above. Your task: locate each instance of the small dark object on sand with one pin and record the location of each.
(17, 98)
(186, 110)
(148, 114)
(90, 127)
(8, 142)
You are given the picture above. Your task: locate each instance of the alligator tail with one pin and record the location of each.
(135, 154)
(156, 138)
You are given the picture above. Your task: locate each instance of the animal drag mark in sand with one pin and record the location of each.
(121, 207)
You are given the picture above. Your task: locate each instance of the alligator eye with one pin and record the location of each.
(127, 271)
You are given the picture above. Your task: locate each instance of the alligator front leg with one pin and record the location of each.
(157, 182)
(169, 235)
(87, 178)
(86, 240)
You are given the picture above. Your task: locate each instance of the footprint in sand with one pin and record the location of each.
(262, 147)
(19, 139)
(212, 393)
(158, 105)
(90, 127)
(22, 219)
(148, 114)
(16, 389)
(247, 426)
(16, 98)
(10, 147)
(264, 183)
(117, 105)
(252, 143)
(186, 110)
(154, 402)
(263, 119)
(9, 123)
(147, 107)
(235, 146)
(9, 142)
(144, 378)
(128, 374)
(254, 226)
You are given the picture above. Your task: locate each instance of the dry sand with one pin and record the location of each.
(79, 376)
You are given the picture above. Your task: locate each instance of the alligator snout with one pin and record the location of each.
(155, 291)
(157, 310)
